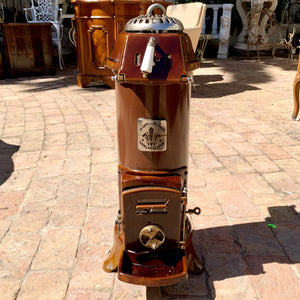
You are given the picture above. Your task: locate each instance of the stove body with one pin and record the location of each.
(153, 68)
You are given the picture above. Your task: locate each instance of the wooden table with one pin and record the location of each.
(27, 47)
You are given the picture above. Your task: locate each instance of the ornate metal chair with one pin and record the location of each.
(47, 11)
(1, 13)
(265, 33)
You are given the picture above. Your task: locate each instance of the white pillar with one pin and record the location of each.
(225, 31)
(215, 21)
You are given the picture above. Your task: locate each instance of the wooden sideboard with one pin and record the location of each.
(1, 65)
(27, 47)
(97, 24)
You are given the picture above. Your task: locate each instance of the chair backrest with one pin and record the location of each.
(1, 13)
(190, 14)
(44, 10)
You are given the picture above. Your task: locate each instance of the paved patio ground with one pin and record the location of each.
(58, 183)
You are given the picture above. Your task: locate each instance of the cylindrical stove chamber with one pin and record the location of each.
(152, 62)
(153, 123)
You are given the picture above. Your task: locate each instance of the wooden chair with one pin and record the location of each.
(192, 16)
(47, 11)
(296, 89)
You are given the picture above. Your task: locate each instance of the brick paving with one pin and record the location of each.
(58, 182)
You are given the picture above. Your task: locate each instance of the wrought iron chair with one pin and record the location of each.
(1, 13)
(272, 35)
(48, 11)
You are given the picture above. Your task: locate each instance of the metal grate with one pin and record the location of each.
(152, 23)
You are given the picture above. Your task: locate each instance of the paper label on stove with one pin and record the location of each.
(152, 135)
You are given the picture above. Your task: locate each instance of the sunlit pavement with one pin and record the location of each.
(58, 183)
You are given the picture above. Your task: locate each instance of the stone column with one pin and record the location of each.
(215, 21)
(224, 34)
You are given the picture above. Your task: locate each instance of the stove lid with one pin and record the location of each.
(154, 23)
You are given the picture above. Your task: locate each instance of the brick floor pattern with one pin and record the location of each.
(58, 186)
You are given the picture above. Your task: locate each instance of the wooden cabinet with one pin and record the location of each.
(27, 47)
(98, 23)
(1, 65)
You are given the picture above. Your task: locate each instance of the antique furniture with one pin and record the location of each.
(1, 21)
(192, 16)
(1, 13)
(216, 25)
(71, 33)
(152, 62)
(28, 47)
(254, 22)
(98, 23)
(277, 36)
(203, 41)
(47, 11)
(1, 65)
(296, 89)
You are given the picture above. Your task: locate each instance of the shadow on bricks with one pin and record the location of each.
(211, 86)
(233, 252)
(232, 79)
(6, 162)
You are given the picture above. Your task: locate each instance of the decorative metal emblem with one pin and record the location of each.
(152, 135)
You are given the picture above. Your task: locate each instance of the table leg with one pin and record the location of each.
(296, 89)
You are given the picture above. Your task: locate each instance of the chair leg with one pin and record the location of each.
(60, 56)
(58, 37)
(296, 89)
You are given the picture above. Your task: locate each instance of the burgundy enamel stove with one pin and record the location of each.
(153, 61)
